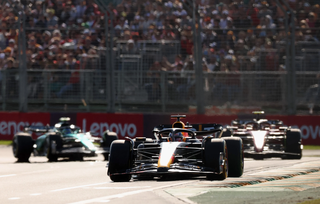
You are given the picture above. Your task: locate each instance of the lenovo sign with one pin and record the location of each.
(122, 129)
(310, 132)
(123, 124)
(13, 122)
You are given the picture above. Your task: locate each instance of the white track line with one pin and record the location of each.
(63, 189)
(8, 175)
(121, 195)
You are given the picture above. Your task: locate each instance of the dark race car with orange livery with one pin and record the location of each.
(178, 148)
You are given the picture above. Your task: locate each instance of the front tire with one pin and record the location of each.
(211, 158)
(22, 146)
(53, 143)
(293, 144)
(120, 160)
(235, 156)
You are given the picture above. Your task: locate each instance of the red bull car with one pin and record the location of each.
(264, 138)
(177, 149)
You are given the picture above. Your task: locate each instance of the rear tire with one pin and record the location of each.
(211, 158)
(120, 160)
(108, 138)
(235, 156)
(293, 144)
(22, 146)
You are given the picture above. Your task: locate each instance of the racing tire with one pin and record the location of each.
(120, 160)
(293, 144)
(211, 158)
(108, 138)
(235, 156)
(53, 143)
(22, 146)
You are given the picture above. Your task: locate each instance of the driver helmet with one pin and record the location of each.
(66, 131)
(176, 137)
(255, 126)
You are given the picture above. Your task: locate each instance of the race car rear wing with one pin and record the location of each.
(193, 127)
(38, 129)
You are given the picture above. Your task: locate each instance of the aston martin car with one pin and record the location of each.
(263, 138)
(177, 149)
(61, 140)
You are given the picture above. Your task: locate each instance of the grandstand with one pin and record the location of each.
(73, 47)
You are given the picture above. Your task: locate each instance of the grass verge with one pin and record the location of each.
(311, 202)
(5, 142)
(311, 147)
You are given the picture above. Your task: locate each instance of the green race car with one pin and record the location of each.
(61, 140)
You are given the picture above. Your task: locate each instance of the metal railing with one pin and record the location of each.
(151, 91)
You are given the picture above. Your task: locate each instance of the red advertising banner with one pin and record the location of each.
(12, 122)
(132, 125)
(123, 124)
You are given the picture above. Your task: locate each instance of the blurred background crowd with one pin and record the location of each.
(239, 35)
(229, 28)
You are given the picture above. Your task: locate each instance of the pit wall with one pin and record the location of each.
(134, 125)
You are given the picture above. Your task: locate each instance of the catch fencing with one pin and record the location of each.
(157, 69)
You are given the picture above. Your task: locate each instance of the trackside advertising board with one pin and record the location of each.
(12, 122)
(133, 125)
(130, 125)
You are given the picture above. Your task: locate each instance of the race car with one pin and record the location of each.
(61, 140)
(264, 138)
(191, 150)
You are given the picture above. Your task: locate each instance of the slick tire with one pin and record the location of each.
(52, 145)
(22, 146)
(108, 138)
(235, 156)
(293, 144)
(120, 160)
(211, 158)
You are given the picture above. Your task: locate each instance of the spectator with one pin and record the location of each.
(11, 47)
(71, 88)
(252, 12)
(264, 11)
(12, 78)
(153, 87)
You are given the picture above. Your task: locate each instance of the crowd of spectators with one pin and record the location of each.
(66, 34)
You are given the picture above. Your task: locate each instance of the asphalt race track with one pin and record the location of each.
(264, 181)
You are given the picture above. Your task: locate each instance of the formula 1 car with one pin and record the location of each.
(177, 149)
(62, 140)
(264, 138)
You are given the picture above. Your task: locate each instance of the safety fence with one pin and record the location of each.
(137, 90)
